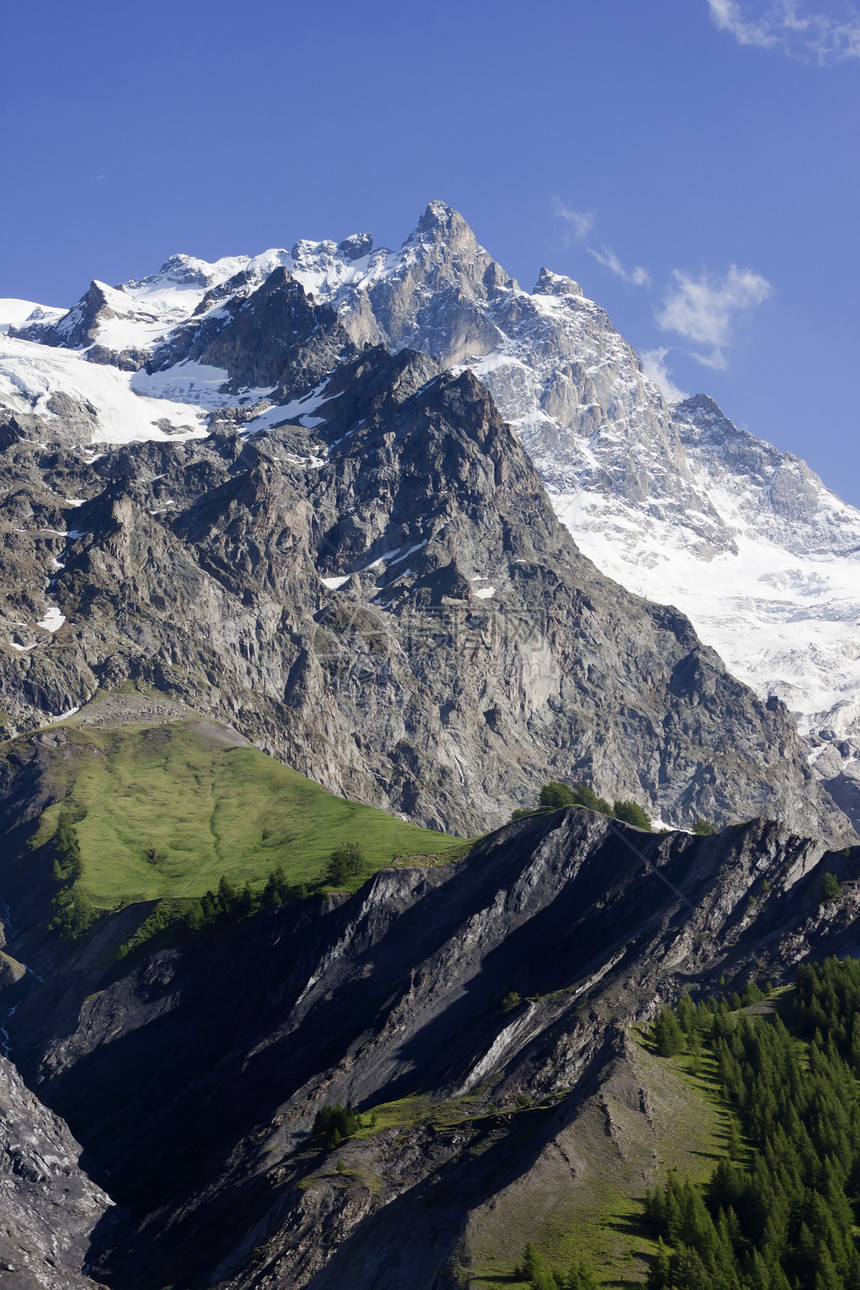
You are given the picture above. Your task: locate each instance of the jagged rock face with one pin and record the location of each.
(561, 374)
(389, 604)
(272, 338)
(393, 994)
(50, 1210)
(76, 329)
(103, 313)
(431, 298)
(674, 502)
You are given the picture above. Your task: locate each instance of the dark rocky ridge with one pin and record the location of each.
(272, 337)
(199, 1100)
(76, 329)
(200, 569)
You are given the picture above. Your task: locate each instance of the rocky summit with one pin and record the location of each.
(669, 499)
(366, 790)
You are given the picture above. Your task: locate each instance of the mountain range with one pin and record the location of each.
(671, 500)
(317, 567)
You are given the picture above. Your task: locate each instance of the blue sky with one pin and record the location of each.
(693, 163)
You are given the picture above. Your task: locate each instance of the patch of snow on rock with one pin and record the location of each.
(53, 620)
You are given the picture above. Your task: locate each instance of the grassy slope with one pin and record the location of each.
(170, 809)
(587, 1202)
(583, 1198)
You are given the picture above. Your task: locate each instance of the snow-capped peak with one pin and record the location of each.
(439, 217)
(676, 503)
(21, 313)
(555, 284)
(178, 271)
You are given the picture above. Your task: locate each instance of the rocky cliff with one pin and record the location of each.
(384, 599)
(54, 1219)
(673, 501)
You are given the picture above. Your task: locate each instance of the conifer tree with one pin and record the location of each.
(667, 1033)
(659, 1271)
(555, 795)
(585, 796)
(632, 813)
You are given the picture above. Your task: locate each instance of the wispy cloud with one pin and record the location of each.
(790, 27)
(654, 367)
(579, 223)
(715, 359)
(639, 277)
(706, 309)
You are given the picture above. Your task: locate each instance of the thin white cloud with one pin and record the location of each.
(639, 277)
(706, 309)
(790, 27)
(579, 223)
(715, 359)
(654, 367)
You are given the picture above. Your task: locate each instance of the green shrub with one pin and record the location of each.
(334, 1123)
(632, 813)
(555, 795)
(344, 863)
(828, 888)
(73, 913)
(667, 1033)
(579, 1278)
(585, 796)
(228, 904)
(68, 866)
